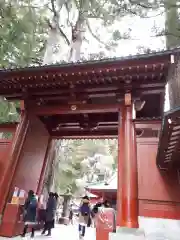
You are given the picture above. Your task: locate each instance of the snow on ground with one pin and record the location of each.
(61, 232)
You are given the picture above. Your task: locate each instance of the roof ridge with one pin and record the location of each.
(66, 64)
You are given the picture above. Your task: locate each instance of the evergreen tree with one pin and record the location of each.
(77, 159)
(22, 40)
(22, 33)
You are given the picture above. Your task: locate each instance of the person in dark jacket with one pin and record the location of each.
(71, 215)
(56, 197)
(30, 210)
(50, 213)
(84, 212)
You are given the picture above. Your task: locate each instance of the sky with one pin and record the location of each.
(142, 30)
(141, 33)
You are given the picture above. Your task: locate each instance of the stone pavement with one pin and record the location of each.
(155, 229)
(61, 232)
(160, 229)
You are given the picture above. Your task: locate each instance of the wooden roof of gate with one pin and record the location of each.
(93, 82)
(141, 72)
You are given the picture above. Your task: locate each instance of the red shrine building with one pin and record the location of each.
(105, 190)
(115, 98)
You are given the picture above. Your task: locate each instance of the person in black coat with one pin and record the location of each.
(50, 213)
(30, 210)
(71, 215)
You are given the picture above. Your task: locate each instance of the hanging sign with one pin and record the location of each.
(15, 197)
(22, 197)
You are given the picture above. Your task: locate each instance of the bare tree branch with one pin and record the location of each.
(56, 18)
(128, 10)
(150, 6)
(140, 4)
(165, 33)
(95, 36)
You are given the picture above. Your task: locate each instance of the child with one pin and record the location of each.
(84, 213)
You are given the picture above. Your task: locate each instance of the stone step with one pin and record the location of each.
(127, 234)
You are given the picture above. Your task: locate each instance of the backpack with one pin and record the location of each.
(85, 210)
(33, 203)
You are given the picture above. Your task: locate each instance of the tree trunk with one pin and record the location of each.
(172, 24)
(49, 171)
(66, 205)
(77, 38)
(172, 35)
(65, 211)
(51, 47)
(78, 32)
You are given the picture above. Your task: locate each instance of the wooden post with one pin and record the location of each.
(121, 135)
(127, 193)
(43, 171)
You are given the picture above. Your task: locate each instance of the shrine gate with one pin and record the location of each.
(114, 98)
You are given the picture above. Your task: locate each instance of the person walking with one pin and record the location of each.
(84, 213)
(71, 215)
(50, 213)
(30, 210)
(56, 197)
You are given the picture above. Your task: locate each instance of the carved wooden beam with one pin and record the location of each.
(74, 109)
(106, 131)
(124, 65)
(85, 133)
(111, 76)
(84, 90)
(143, 124)
(85, 137)
(8, 127)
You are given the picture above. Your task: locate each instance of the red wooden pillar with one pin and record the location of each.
(43, 171)
(127, 193)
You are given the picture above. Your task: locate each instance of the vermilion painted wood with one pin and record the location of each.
(159, 209)
(12, 158)
(121, 156)
(25, 163)
(158, 191)
(79, 108)
(127, 192)
(11, 225)
(85, 73)
(85, 137)
(32, 156)
(8, 127)
(44, 167)
(25, 173)
(5, 145)
(155, 184)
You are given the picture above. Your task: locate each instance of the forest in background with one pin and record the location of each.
(34, 33)
(79, 163)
